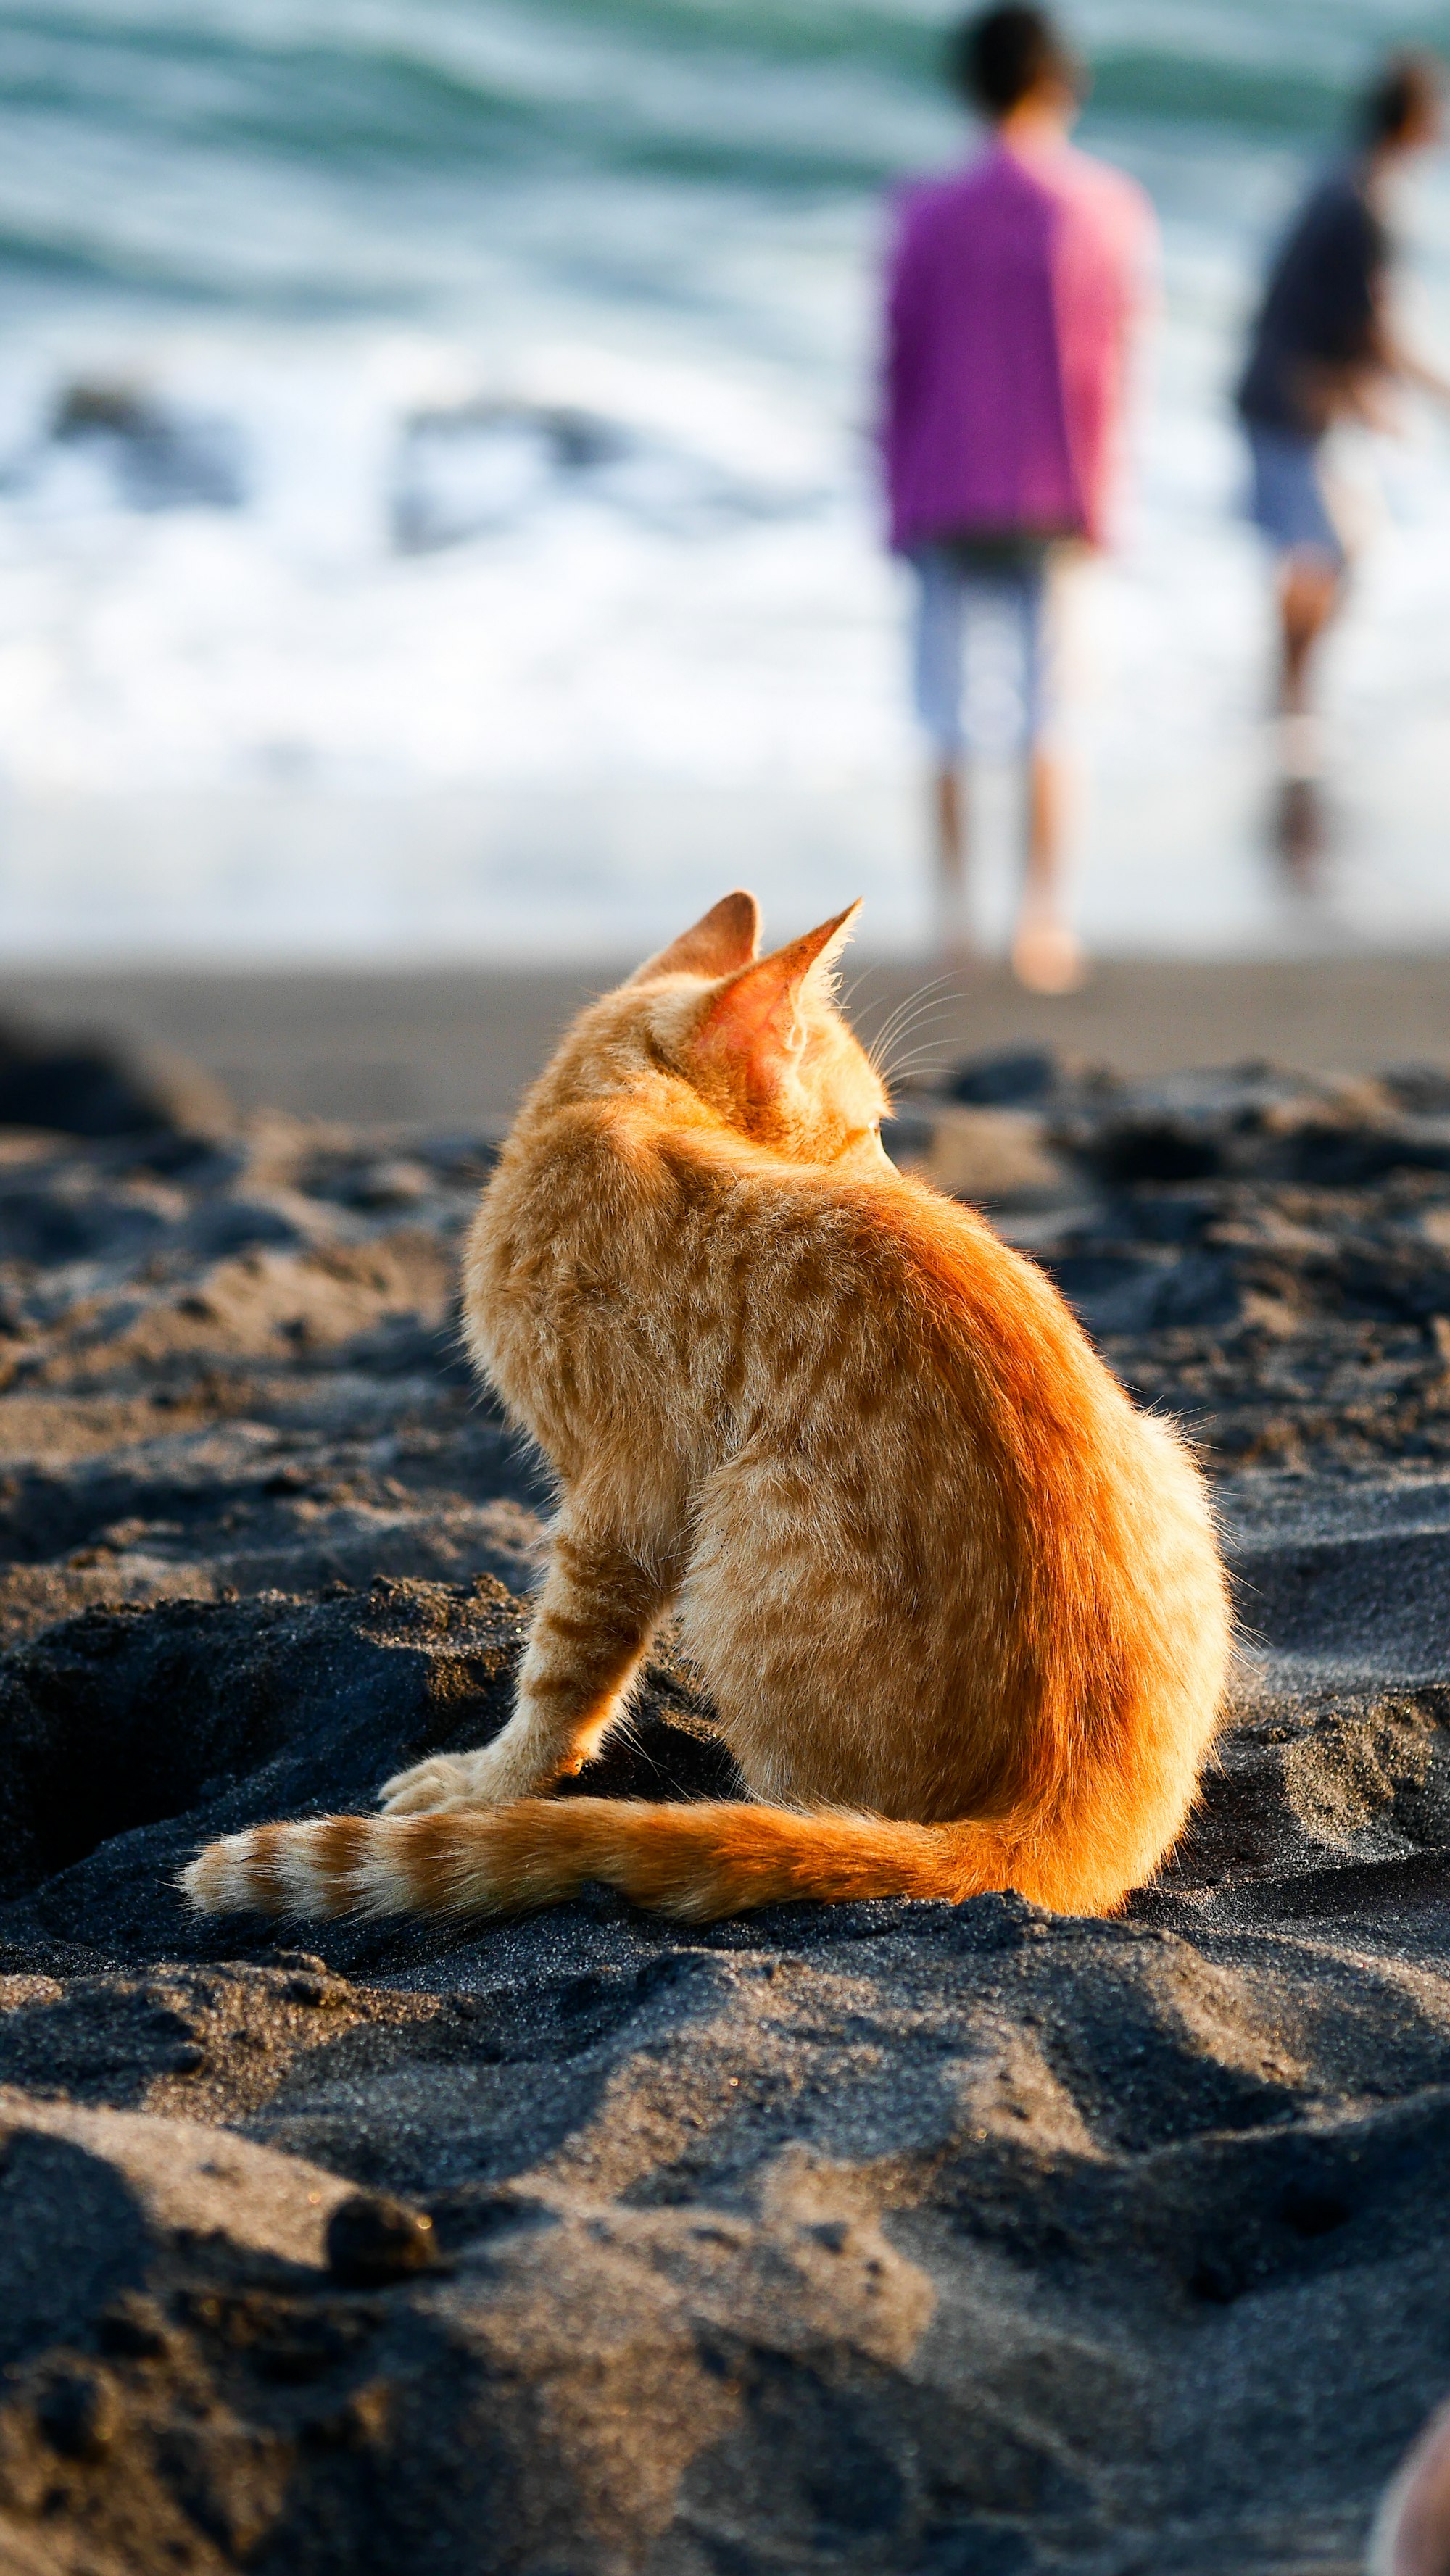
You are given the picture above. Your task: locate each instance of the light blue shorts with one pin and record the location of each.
(979, 645)
(1287, 501)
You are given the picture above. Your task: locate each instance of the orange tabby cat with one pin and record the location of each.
(958, 1606)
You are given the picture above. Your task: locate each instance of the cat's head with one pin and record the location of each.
(759, 1039)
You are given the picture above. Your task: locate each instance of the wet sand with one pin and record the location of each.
(443, 1044)
(912, 2240)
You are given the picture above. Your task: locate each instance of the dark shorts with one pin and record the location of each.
(1287, 502)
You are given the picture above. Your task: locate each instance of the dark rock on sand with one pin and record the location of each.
(103, 1090)
(373, 2239)
(913, 2240)
(1012, 1078)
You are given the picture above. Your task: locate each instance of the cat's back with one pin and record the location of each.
(642, 1288)
(921, 1369)
(944, 1306)
(611, 1213)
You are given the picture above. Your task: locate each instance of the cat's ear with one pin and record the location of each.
(756, 1018)
(725, 939)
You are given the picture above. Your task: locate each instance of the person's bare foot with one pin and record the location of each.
(1046, 956)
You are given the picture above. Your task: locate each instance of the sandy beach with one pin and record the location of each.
(903, 2239)
(441, 504)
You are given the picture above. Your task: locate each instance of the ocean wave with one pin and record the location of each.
(811, 92)
(382, 151)
(487, 466)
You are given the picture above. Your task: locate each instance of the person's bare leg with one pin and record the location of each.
(1046, 956)
(1309, 593)
(1310, 588)
(949, 819)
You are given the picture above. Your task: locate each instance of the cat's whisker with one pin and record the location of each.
(862, 976)
(923, 1059)
(898, 1020)
(909, 1039)
(937, 993)
(905, 1026)
(921, 1017)
(894, 1020)
(913, 1042)
(925, 1011)
(903, 1085)
(900, 1010)
(909, 1066)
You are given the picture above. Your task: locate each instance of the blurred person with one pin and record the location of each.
(1013, 289)
(1324, 350)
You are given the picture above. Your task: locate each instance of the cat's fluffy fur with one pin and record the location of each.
(959, 1607)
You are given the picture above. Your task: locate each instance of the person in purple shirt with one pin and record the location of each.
(1012, 294)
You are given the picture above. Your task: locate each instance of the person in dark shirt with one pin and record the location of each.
(1323, 350)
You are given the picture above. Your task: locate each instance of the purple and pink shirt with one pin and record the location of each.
(1014, 288)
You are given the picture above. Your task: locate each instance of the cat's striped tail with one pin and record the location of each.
(694, 1861)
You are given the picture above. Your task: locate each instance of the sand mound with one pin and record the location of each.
(908, 2240)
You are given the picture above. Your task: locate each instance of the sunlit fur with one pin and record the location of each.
(958, 1606)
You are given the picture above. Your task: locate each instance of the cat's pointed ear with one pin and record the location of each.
(722, 941)
(756, 1018)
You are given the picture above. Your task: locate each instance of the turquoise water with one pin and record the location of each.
(380, 155)
(432, 399)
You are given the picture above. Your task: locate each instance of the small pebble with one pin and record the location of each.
(372, 2239)
(134, 2325)
(78, 2413)
(832, 2233)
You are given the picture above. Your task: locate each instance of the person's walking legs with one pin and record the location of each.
(940, 616)
(1310, 587)
(1046, 955)
(949, 815)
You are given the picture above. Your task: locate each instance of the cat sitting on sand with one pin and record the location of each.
(958, 1606)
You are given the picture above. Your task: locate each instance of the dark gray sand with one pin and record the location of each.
(903, 2239)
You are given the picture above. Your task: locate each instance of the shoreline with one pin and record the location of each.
(457, 1044)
